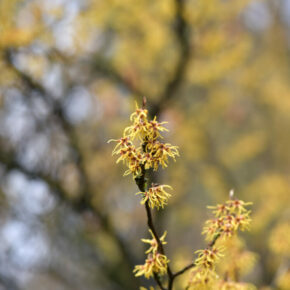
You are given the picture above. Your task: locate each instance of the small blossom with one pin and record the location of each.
(161, 153)
(121, 143)
(242, 221)
(154, 128)
(161, 262)
(237, 205)
(148, 160)
(219, 210)
(227, 230)
(139, 114)
(155, 263)
(134, 167)
(208, 257)
(156, 196)
(153, 243)
(212, 227)
(137, 130)
(146, 269)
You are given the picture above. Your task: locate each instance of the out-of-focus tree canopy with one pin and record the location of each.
(71, 71)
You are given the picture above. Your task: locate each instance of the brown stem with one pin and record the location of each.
(212, 243)
(158, 282)
(141, 183)
(182, 271)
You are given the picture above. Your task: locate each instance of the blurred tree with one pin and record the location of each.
(217, 70)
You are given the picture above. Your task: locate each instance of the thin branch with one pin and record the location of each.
(212, 243)
(183, 270)
(158, 281)
(188, 267)
(141, 183)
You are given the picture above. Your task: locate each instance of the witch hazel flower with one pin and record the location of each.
(140, 148)
(156, 263)
(156, 196)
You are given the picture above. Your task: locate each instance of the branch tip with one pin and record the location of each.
(231, 194)
(144, 103)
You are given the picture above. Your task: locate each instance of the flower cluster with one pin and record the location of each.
(155, 262)
(229, 217)
(156, 196)
(140, 149)
(208, 257)
(204, 275)
(149, 152)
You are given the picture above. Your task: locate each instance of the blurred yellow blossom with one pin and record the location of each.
(156, 196)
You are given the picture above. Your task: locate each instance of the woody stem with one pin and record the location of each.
(141, 183)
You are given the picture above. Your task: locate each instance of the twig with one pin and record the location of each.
(158, 282)
(188, 267)
(184, 270)
(141, 183)
(212, 243)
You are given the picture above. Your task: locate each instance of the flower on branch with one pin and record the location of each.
(139, 115)
(209, 257)
(230, 217)
(154, 128)
(155, 263)
(156, 196)
(148, 152)
(153, 243)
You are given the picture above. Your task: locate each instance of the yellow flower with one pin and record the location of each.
(139, 114)
(219, 210)
(230, 217)
(153, 243)
(146, 269)
(122, 143)
(156, 196)
(137, 130)
(149, 152)
(237, 205)
(161, 152)
(134, 165)
(242, 221)
(155, 263)
(154, 128)
(208, 257)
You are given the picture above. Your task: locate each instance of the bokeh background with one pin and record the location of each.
(71, 70)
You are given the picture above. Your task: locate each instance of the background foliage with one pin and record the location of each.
(217, 70)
